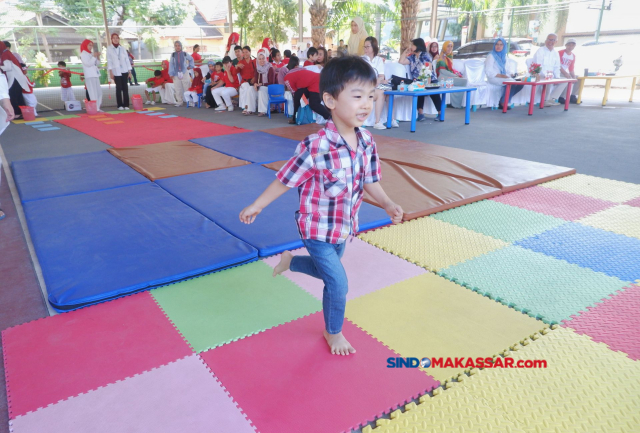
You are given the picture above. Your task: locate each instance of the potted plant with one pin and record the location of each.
(534, 70)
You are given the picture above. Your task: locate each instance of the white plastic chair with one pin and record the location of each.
(474, 73)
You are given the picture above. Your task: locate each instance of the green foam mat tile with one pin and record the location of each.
(430, 243)
(585, 388)
(66, 116)
(219, 308)
(499, 220)
(428, 316)
(596, 187)
(535, 283)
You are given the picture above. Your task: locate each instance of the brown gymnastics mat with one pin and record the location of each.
(174, 158)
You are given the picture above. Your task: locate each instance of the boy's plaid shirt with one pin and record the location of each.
(330, 177)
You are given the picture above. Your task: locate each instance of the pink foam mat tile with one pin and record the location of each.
(58, 357)
(635, 202)
(560, 204)
(368, 269)
(182, 396)
(286, 380)
(614, 321)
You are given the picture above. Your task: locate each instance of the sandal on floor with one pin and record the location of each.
(262, 114)
(292, 122)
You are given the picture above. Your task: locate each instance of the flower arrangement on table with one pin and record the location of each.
(425, 73)
(534, 70)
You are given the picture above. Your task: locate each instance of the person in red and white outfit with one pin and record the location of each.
(567, 66)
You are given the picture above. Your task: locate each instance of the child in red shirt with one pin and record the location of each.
(312, 56)
(155, 85)
(223, 95)
(246, 66)
(29, 98)
(307, 83)
(65, 83)
(191, 95)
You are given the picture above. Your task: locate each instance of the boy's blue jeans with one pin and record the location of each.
(323, 262)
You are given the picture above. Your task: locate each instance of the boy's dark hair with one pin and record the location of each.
(7, 44)
(63, 64)
(293, 62)
(287, 53)
(374, 44)
(341, 40)
(237, 47)
(226, 59)
(247, 47)
(420, 45)
(219, 64)
(196, 46)
(312, 51)
(157, 73)
(344, 70)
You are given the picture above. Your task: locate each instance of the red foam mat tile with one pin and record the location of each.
(138, 129)
(614, 321)
(59, 357)
(285, 379)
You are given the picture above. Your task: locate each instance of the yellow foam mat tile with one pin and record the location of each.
(429, 316)
(585, 388)
(596, 187)
(623, 219)
(152, 108)
(21, 121)
(431, 243)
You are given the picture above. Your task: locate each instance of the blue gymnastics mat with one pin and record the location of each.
(74, 174)
(101, 245)
(257, 146)
(220, 195)
(610, 253)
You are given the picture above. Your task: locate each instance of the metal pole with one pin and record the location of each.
(510, 31)
(600, 22)
(433, 31)
(35, 32)
(378, 28)
(300, 26)
(230, 16)
(106, 26)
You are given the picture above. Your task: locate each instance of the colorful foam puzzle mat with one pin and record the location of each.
(296, 358)
(622, 219)
(38, 179)
(221, 195)
(379, 270)
(532, 282)
(100, 245)
(175, 158)
(257, 146)
(596, 187)
(212, 310)
(476, 328)
(589, 247)
(585, 388)
(139, 130)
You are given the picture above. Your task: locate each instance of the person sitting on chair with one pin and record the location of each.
(567, 65)
(495, 68)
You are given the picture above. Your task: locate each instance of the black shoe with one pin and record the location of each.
(561, 100)
(500, 106)
(573, 99)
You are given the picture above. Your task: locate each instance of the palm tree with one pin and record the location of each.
(318, 11)
(409, 12)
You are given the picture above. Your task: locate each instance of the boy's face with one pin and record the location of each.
(239, 54)
(246, 54)
(278, 58)
(227, 66)
(314, 57)
(353, 105)
(570, 46)
(218, 68)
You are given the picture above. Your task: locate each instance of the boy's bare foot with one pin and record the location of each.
(338, 344)
(285, 261)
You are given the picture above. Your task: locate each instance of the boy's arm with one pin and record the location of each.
(273, 191)
(377, 193)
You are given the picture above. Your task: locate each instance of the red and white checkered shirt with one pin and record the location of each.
(330, 177)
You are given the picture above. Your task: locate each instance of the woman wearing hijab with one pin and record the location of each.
(267, 43)
(233, 40)
(495, 67)
(167, 90)
(444, 70)
(434, 53)
(264, 76)
(357, 37)
(16, 80)
(180, 64)
(416, 56)
(119, 69)
(90, 62)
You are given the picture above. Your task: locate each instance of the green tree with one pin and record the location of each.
(37, 7)
(272, 19)
(242, 9)
(89, 12)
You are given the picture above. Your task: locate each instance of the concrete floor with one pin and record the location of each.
(596, 140)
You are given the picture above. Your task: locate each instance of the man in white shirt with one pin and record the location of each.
(549, 59)
(119, 70)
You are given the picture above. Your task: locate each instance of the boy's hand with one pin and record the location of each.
(395, 212)
(249, 213)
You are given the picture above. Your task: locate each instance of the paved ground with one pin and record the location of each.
(594, 140)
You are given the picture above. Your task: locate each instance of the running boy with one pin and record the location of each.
(154, 85)
(331, 170)
(65, 83)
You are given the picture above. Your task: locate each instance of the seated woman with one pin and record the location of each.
(265, 76)
(292, 65)
(304, 82)
(444, 70)
(416, 56)
(167, 93)
(495, 67)
(376, 62)
(434, 52)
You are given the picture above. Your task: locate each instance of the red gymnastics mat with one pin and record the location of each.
(286, 381)
(137, 129)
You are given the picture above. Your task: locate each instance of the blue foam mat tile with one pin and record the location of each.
(100, 245)
(610, 253)
(73, 174)
(258, 147)
(222, 194)
(168, 117)
(49, 129)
